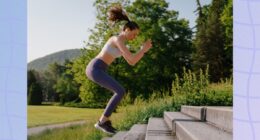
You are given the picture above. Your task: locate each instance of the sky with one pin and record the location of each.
(56, 25)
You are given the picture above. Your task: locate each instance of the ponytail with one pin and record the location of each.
(116, 14)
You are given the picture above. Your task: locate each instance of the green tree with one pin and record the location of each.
(30, 79)
(210, 42)
(199, 57)
(65, 85)
(34, 89)
(171, 46)
(227, 21)
(49, 79)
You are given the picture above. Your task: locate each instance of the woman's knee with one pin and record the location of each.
(120, 91)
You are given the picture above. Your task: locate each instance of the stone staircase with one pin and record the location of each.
(192, 123)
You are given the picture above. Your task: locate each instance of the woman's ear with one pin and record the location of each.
(127, 30)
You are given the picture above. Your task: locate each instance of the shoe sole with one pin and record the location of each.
(102, 129)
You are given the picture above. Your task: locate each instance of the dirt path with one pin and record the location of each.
(40, 129)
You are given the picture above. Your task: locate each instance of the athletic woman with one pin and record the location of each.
(115, 47)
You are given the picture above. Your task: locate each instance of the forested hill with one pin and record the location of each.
(42, 63)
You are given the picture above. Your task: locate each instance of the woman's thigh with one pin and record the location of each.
(105, 80)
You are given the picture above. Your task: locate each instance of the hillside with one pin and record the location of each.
(42, 63)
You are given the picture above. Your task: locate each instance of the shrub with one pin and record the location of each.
(192, 89)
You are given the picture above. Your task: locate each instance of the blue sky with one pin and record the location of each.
(55, 25)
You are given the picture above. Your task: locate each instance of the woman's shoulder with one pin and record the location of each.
(112, 40)
(115, 39)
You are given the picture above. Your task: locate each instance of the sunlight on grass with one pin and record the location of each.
(42, 115)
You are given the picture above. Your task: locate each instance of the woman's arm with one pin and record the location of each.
(137, 58)
(128, 56)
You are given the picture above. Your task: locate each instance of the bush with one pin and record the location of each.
(145, 110)
(195, 90)
(212, 98)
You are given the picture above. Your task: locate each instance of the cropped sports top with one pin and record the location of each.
(112, 50)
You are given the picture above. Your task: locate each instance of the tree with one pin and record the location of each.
(30, 79)
(50, 78)
(227, 21)
(65, 86)
(171, 49)
(199, 57)
(34, 89)
(210, 43)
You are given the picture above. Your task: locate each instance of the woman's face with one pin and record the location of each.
(131, 34)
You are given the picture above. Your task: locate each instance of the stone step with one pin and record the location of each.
(198, 112)
(137, 132)
(160, 137)
(119, 135)
(221, 117)
(172, 117)
(106, 138)
(187, 130)
(157, 128)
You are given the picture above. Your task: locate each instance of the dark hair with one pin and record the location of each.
(116, 14)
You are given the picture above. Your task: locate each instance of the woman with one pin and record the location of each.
(114, 47)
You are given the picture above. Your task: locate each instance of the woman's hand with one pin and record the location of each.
(147, 45)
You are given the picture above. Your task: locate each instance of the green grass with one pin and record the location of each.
(84, 132)
(42, 115)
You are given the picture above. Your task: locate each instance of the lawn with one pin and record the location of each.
(42, 115)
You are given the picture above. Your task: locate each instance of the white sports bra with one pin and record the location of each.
(110, 49)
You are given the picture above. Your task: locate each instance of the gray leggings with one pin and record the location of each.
(96, 71)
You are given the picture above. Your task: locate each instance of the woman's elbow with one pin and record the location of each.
(132, 63)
